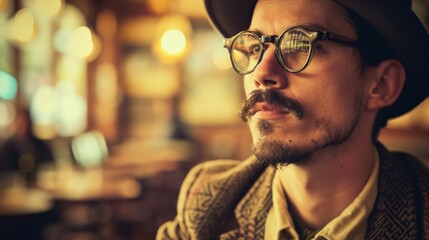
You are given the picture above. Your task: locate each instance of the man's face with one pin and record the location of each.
(323, 102)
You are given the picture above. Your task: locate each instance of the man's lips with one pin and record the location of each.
(265, 109)
(269, 104)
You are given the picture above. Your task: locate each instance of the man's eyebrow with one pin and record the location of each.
(314, 26)
(254, 30)
(310, 26)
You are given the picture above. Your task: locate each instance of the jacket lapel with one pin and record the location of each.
(252, 210)
(211, 202)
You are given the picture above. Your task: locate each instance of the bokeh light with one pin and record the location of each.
(21, 27)
(173, 42)
(172, 39)
(89, 149)
(43, 105)
(7, 114)
(61, 39)
(71, 110)
(8, 86)
(81, 43)
(58, 111)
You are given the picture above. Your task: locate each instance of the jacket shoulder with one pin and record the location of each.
(213, 167)
(420, 171)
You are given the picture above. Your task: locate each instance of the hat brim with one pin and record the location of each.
(394, 20)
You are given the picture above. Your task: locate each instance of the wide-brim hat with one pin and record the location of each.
(393, 19)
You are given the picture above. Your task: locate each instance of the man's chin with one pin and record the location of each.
(278, 154)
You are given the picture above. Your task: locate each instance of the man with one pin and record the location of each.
(321, 78)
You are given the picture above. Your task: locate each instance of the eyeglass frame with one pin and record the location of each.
(319, 35)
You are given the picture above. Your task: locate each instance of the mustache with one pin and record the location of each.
(273, 97)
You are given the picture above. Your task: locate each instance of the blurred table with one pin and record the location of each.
(133, 190)
(72, 183)
(85, 199)
(145, 158)
(22, 201)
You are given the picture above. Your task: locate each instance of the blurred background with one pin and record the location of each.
(104, 107)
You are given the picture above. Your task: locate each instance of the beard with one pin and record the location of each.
(278, 153)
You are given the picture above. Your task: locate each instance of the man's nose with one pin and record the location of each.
(269, 73)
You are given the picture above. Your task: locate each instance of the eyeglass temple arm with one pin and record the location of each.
(227, 42)
(323, 35)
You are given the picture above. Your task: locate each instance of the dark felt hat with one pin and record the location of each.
(393, 19)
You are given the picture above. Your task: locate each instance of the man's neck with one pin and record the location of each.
(321, 189)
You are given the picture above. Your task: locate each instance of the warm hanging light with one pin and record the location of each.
(173, 42)
(172, 39)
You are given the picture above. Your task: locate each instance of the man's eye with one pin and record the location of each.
(318, 47)
(254, 50)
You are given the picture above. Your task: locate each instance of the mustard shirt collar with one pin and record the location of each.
(350, 224)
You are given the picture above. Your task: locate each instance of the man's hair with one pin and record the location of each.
(373, 49)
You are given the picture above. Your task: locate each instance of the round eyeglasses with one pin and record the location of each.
(293, 48)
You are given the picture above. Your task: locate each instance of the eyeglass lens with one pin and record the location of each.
(294, 49)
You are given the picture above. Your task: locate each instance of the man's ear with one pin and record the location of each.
(390, 76)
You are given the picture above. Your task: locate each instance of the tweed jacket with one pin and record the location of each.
(228, 199)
